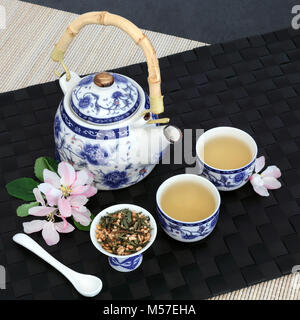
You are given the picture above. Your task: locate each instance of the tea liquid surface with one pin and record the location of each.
(188, 201)
(226, 153)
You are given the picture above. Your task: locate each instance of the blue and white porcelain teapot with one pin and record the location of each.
(106, 122)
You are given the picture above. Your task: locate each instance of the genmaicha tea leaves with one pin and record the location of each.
(123, 232)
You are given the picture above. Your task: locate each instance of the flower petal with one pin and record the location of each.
(45, 187)
(271, 183)
(81, 178)
(40, 211)
(65, 221)
(77, 201)
(38, 196)
(82, 217)
(64, 207)
(53, 196)
(79, 190)
(90, 192)
(259, 164)
(62, 228)
(51, 178)
(50, 234)
(33, 226)
(261, 190)
(256, 180)
(81, 209)
(67, 173)
(272, 171)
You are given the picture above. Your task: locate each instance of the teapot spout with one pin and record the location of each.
(153, 141)
(172, 133)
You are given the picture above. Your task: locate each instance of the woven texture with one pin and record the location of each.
(32, 31)
(252, 84)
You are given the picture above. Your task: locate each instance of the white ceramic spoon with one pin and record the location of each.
(86, 285)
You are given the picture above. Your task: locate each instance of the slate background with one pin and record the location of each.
(209, 21)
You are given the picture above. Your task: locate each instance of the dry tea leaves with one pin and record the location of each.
(123, 232)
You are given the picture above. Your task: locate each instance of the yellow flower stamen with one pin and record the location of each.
(50, 217)
(66, 190)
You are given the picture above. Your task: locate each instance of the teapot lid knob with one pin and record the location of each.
(104, 79)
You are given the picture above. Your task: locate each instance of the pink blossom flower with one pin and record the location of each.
(65, 195)
(69, 190)
(67, 182)
(49, 228)
(265, 180)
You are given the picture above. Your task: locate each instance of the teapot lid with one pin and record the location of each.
(105, 98)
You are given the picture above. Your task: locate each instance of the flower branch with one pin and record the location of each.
(63, 193)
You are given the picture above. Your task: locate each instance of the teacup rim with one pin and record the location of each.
(190, 222)
(224, 171)
(116, 207)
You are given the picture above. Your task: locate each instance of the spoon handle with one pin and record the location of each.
(25, 241)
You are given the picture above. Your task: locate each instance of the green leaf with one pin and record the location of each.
(22, 188)
(52, 163)
(22, 210)
(81, 227)
(44, 163)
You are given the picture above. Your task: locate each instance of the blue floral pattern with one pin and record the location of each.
(94, 154)
(105, 106)
(104, 134)
(106, 152)
(239, 177)
(57, 126)
(187, 232)
(115, 179)
(125, 264)
(84, 102)
(101, 159)
(227, 179)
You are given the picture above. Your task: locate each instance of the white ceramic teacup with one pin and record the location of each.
(187, 231)
(226, 180)
(131, 261)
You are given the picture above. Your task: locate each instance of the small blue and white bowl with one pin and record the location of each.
(187, 231)
(226, 180)
(123, 263)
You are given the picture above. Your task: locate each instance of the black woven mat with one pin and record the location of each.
(252, 84)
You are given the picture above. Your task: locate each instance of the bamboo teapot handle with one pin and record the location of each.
(105, 18)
